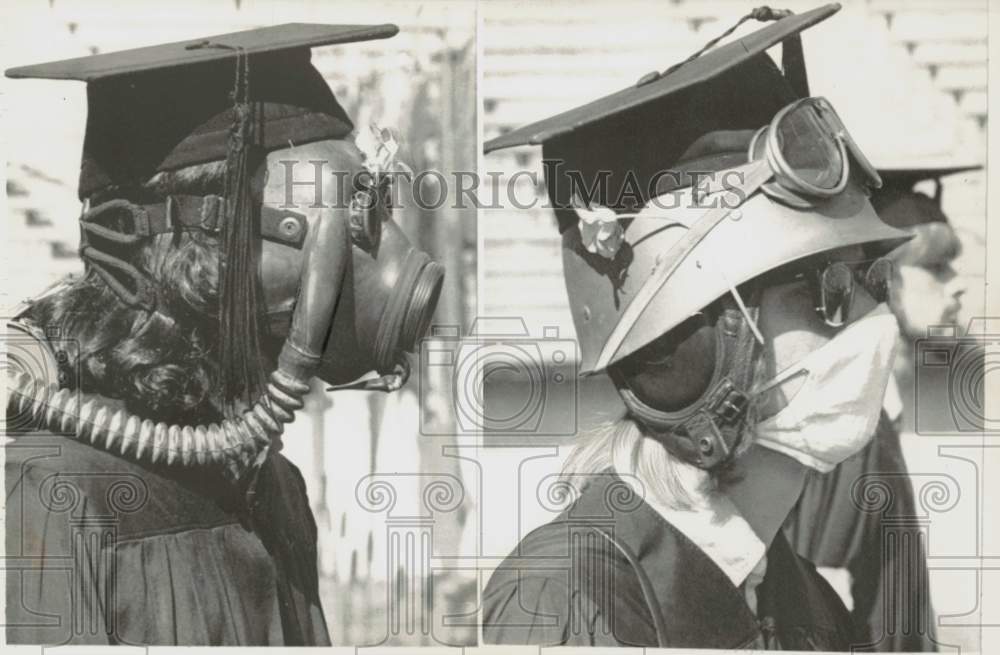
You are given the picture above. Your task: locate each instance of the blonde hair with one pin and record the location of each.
(625, 447)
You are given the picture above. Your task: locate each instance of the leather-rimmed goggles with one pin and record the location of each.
(810, 151)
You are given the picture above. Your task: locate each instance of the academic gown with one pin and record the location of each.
(102, 550)
(610, 571)
(884, 550)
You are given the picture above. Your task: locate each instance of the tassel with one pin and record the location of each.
(240, 294)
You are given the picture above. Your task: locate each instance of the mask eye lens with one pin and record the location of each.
(836, 292)
(878, 279)
(810, 149)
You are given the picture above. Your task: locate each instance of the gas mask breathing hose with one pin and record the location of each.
(232, 446)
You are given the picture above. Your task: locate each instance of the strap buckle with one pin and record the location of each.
(725, 408)
(727, 403)
(212, 207)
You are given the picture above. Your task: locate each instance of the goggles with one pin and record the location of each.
(834, 285)
(808, 149)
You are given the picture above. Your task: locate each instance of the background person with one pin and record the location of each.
(828, 526)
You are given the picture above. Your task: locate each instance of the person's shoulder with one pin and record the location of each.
(555, 588)
(535, 555)
(38, 454)
(282, 482)
(52, 474)
(281, 503)
(286, 469)
(538, 566)
(528, 598)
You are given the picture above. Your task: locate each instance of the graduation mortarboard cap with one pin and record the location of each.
(900, 205)
(169, 106)
(906, 176)
(696, 116)
(652, 88)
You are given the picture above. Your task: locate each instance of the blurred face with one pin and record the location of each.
(792, 328)
(928, 291)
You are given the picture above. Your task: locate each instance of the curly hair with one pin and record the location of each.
(162, 364)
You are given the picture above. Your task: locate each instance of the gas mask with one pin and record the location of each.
(385, 290)
(346, 294)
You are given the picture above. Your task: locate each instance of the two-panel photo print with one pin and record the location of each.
(455, 327)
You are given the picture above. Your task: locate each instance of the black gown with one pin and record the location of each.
(610, 571)
(101, 550)
(831, 526)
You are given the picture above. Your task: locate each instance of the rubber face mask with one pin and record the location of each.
(363, 295)
(835, 412)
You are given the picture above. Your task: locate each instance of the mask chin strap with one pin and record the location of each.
(708, 432)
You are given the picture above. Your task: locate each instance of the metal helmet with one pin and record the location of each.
(760, 236)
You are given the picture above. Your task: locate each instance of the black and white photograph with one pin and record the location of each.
(440, 325)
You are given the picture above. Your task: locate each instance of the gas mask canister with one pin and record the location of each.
(835, 411)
